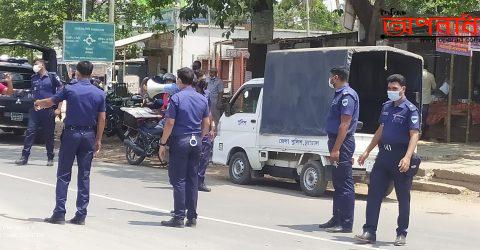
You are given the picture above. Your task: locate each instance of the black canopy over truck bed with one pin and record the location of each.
(296, 96)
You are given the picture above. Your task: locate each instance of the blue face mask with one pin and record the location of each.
(394, 95)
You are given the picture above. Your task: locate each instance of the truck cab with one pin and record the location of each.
(261, 131)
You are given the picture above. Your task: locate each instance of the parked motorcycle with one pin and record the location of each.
(142, 138)
(114, 115)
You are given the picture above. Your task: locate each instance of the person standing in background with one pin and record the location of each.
(215, 87)
(428, 84)
(6, 90)
(44, 85)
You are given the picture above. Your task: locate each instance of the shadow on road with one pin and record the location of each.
(145, 223)
(22, 219)
(352, 240)
(148, 212)
(309, 228)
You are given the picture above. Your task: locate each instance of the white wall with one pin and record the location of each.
(196, 44)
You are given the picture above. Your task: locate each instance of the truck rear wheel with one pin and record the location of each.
(313, 180)
(240, 169)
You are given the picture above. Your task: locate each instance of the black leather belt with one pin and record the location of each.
(71, 127)
(393, 147)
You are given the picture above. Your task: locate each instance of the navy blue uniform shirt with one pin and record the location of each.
(209, 100)
(187, 108)
(345, 102)
(397, 122)
(43, 87)
(84, 102)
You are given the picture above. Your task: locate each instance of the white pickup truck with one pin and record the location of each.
(248, 145)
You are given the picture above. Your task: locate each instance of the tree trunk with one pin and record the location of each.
(258, 51)
(374, 21)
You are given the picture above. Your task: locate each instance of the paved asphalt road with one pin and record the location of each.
(128, 203)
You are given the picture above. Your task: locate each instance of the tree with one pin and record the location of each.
(437, 7)
(42, 21)
(292, 14)
(368, 13)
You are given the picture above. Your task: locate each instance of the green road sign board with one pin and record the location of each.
(88, 41)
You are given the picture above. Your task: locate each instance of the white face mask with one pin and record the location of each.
(330, 84)
(36, 68)
(394, 95)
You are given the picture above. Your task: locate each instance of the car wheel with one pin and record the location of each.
(313, 180)
(240, 169)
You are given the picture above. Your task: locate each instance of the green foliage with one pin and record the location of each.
(41, 21)
(434, 7)
(226, 13)
(292, 14)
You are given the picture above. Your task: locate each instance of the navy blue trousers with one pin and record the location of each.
(183, 172)
(79, 143)
(342, 179)
(385, 170)
(44, 118)
(206, 155)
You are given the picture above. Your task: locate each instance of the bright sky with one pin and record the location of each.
(331, 5)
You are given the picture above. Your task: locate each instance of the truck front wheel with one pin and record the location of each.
(240, 169)
(312, 179)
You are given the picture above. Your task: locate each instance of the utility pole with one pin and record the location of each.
(111, 12)
(176, 41)
(307, 4)
(84, 10)
(209, 40)
(111, 66)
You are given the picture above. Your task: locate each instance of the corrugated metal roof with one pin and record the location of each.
(134, 39)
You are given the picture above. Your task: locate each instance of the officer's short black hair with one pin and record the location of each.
(186, 75)
(341, 72)
(85, 68)
(397, 78)
(39, 60)
(196, 65)
(425, 64)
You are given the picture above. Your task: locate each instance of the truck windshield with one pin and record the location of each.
(246, 101)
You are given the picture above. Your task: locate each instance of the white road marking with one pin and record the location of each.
(202, 217)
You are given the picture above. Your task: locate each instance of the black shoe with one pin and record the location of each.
(331, 223)
(400, 241)
(22, 161)
(50, 163)
(338, 229)
(55, 220)
(77, 221)
(366, 238)
(191, 222)
(204, 188)
(173, 222)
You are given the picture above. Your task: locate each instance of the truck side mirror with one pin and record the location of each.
(359, 125)
(228, 111)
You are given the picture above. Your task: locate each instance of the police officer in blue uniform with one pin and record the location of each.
(81, 138)
(187, 122)
(207, 141)
(44, 85)
(397, 138)
(340, 127)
